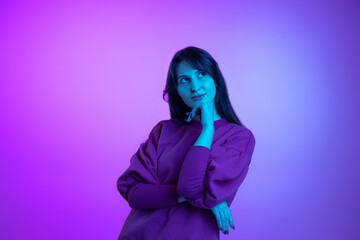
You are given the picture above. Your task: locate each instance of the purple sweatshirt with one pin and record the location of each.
(168, 164)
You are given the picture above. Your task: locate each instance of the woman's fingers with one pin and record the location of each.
(231, 220)
(218, 218)
(223, 220)
(194, 111)
(224, 217)
(227, 219)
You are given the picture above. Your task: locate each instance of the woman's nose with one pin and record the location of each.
(194, 85)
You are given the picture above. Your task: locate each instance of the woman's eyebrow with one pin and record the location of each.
(186, 76)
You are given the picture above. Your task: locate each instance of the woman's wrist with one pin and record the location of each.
(206, 137)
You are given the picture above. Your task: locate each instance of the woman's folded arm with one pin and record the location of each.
(150, 196)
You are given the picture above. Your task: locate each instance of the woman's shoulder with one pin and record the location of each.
(234, 128)
(166, 124)
(170, 122)
(242, 131)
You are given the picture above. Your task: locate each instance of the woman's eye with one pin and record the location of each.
(182, 79)
(200, 73)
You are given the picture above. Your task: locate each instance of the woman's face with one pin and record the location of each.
(193, 82)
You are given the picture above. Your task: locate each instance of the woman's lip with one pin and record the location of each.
(199, 97)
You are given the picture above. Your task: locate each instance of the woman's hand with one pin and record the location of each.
(223, 216)
(206, 111)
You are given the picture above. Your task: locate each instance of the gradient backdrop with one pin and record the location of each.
(81, 87)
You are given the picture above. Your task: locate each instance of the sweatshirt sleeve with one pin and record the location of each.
(139, 184)
(211, 176)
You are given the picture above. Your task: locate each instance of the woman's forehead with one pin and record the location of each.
(184, 67)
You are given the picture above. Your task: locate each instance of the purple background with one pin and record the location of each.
(81, 87)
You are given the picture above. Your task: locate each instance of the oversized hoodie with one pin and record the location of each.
(168, 164)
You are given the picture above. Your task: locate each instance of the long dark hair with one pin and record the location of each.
(201, 60)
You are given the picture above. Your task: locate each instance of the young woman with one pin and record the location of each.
(183, 178)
